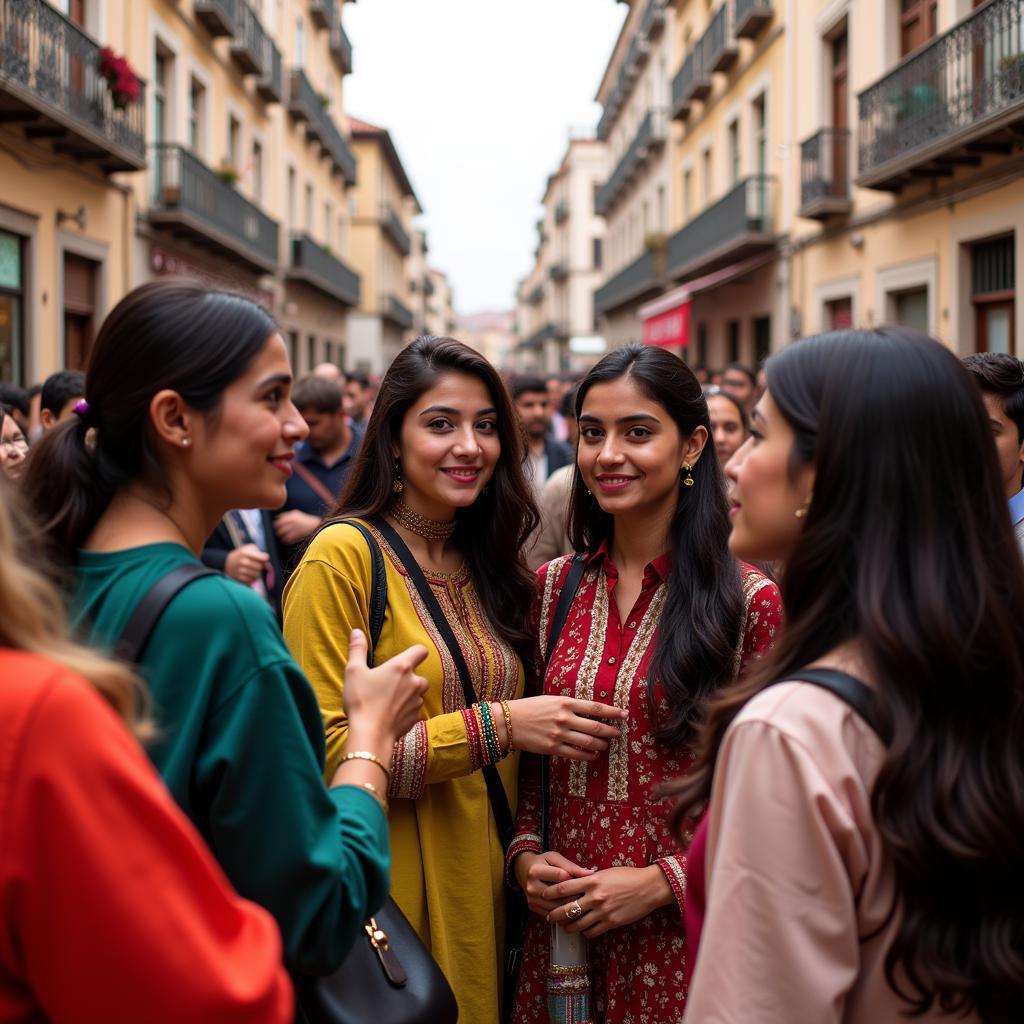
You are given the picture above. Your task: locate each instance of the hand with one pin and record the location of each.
(385, 702)
(610, 898)
(293, 526)
(246, 564)
(537, 872)
(562, 726)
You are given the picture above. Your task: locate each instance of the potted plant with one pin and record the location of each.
(325, 100)
(125, 87)
(228, 173)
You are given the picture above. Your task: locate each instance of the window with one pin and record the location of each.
(917, 23)
(196, 117)
(687, 195)
(706, 174)
(598, 253)
(257, 171)
(762, 338)
(234, 153)
(734, 340)
(760, 136)
(311, 359)
(12, 282)
(993, 292)
(293, 351)
(163, 79)
(309, 208)
(300, 42)
(662, 224)
(839, 313)
(910, 308)
(734, 152)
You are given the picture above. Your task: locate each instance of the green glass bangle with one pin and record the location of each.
(493, 750)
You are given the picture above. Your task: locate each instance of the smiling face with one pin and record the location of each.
(13, 448)
(631, 451)
(726, 427)
(449, 446)
(241, 457)
(766, 494)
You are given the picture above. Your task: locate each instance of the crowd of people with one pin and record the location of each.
(722, 676)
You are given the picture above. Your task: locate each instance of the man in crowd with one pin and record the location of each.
(61, 390)
(359, 395)
(544, 453)
(329, 371)
(1000, 378)
(244, 547)
(321, 466)
(741, 382)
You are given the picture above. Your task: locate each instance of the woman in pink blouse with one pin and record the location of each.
(864, 862)
(663, 616)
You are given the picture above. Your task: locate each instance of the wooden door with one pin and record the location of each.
(918, 23)
(79, 309)
(840, 112)
(76, 68)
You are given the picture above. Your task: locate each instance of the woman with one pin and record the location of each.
(188, 415)
(13, 446)
(92, 845)
(442, 463)
(729, 423)
(663, 617)
(862, 873)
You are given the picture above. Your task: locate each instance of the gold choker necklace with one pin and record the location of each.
(428, 529)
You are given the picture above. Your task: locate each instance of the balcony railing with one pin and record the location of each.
(270, 84)
(304, 102)
(393, 309)
(194, 200)
(561, 211)
(945, 99)
(317, 266)
(50, 80)
(720, 50)
(751, 16)
(735, 227)
(536, 296)
(394, 228)
(218, 17)
(634, 282)
(692, 82)
(553, 330)
(341, 47)
(654, 20)
(249, 45)
(559, 271)
(305, 105)
(322, 12)
(650, 136)
(825, 174)
(335, 146)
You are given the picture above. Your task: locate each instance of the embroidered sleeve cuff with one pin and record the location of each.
(525, 842)
(675, 871)
(409, 764)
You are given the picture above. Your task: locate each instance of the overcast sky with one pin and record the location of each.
(479, 96)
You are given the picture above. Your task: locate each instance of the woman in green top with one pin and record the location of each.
(187, 416)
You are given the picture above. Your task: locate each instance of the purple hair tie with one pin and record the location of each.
(81, 409)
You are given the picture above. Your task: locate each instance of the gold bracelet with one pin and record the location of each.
(375, 793)
(507, 711)
(366, 755)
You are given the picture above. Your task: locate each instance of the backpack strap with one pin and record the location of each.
(850, 690)
(135, 636)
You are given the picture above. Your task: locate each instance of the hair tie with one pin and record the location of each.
(83, 411)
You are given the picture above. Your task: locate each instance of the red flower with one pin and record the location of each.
(124, 84)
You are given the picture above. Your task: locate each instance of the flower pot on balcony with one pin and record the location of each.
(169, 195)
(228, 174)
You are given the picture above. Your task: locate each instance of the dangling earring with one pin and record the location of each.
(801, 512)
(688, 479)
(398, 486)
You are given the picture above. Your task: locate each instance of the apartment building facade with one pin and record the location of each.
(568, 262)
(441, 319)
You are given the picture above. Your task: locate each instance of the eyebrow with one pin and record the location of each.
(277, 378)
(449, 411)
(636, 417)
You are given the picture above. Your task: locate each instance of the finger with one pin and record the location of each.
(572, 870)
(585, 741)
(357, 648)
(594, 709)
(410, 658)
(591, 728)
(548, 874)
(574, 753)
(567, 891)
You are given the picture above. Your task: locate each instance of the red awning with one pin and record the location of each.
(670, 329)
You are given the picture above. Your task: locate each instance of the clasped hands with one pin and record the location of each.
(587, 901)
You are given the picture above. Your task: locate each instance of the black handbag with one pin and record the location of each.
(389, 976)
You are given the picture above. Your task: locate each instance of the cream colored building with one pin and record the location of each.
(419, 282)
(382, 243)
(568, 262)
(441, 320)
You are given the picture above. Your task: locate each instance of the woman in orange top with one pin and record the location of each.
(111, 907)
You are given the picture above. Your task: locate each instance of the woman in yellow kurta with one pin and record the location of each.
(442, 461)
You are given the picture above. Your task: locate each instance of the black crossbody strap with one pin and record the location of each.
(577, 567)
(378, 587)
(495, 790)
(852, 691)
(143, 620)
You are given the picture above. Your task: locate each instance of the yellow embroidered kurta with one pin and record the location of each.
(445, 845)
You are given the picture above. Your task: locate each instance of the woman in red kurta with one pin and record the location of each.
(652, 514)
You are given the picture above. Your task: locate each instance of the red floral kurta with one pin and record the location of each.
(604, 814)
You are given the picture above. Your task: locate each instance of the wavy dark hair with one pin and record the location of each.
(169, 334)
(492, 531)
(907, 550)
(701, 621)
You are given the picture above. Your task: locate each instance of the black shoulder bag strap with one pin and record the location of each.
(378, 586)
(852, 691)
(132, 643)
(577, 567)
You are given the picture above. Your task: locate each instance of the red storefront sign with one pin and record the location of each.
(670, 329)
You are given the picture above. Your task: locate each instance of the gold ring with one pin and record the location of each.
(574, 910)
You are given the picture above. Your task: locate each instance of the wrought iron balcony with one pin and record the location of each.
(270, 84)
(322, 12)
(654, 20)
(559, 271)
(825, 174)
(193, 200)
(306, 106)
(394, 228)
(649, 137)
(636, 57)
(341, 47)
(737, 226)
(393, 309)
(959, 96)
(304, 102)
(316, 266)
(336, 148)
(691, 83)
(218, 17)
(636, 281)
(561, 211)
(553, 330)
(720, 50)
(536, 296)
(751, 16)
(51, 84)
(249, 45)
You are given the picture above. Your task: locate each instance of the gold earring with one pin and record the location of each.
(186, 441)
(688, 479)
(398, 486)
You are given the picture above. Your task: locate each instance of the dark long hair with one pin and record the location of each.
(492, 531)
(908, 550)
(168, 334)
(701, 620)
